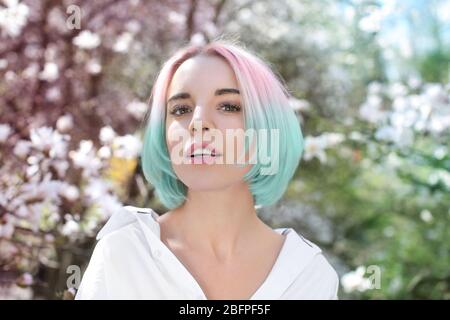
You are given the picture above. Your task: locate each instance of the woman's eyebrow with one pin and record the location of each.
(185, 95)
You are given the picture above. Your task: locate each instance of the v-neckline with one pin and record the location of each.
(283, 231)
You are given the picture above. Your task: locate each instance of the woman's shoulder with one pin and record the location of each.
(316, 277)
(125, 228)
(125, 217)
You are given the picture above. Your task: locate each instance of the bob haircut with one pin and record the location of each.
(266, 106)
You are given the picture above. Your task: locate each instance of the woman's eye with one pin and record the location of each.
(230, 107)
(179, 110)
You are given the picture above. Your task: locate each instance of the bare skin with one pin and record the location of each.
(227, 249)
(216, 233)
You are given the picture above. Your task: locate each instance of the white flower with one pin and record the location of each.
(440, 152)
(46, 189)
(133, 26)
(434, 92)
(176, 17)
(70, 192)
(127, 147)
(86, 159)
(31, 71)
(109, 204)
(47, 139)
(60, 166)
(15, 292)
(356, 135)
(299, 105)
(107, 135)
(333, 138)
(374, 88)
(22, 148)
(104, 152)
(97, 188)
(93, 66)
(426, 216)
(10, 76)
(414, 82)
(70, 228)
(400, 136)
(439, 176)
(64, 123)
(354, 280)
(26, 279)
(5, 131)
(137, 109)
(87, 40)
(50, 72)
(397, 89)
(53, 94)
(371, 110)
(314, 147)
(123, 42)
(6, 230)
(3, 64)
(370, 23)
(13, 17)
(197, 39)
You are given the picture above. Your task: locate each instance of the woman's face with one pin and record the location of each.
(200, 112)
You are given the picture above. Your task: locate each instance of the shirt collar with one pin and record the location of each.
(295, 255)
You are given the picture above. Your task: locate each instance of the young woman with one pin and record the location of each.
(209, 106)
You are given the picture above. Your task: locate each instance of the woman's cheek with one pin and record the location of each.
(176, 137)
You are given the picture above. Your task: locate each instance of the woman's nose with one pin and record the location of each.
(200, 120)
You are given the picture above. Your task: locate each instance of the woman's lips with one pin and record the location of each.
(204, 158)
(202, 153)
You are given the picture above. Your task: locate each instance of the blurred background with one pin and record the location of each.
(370, 85)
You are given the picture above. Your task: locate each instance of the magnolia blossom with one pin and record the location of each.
(197, 39)
(31, 71)
(48, 140)
(104, 152)
(87, 40)
(6, 230)
(97, 188)
(47, 189)
(5, 131)
(50, 72)
(70, 228)
(426, 216)
(400, 136)
(315, 146)
(175, 17)
(93, 66)
(85, 158)
(26, 279)
(13, 17)
(354, 280)
(15, 292)
(108, 204)
(373, 20)
(128, 146)
(3, 64)
(137, 109)
(64, 123)
(123, 42)
(372, 110)
(299, 105)
(70, 192)
(426, 111)
(107, 135)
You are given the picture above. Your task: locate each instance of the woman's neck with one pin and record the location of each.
(216, 222)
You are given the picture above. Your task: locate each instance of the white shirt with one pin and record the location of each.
(131, 262)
